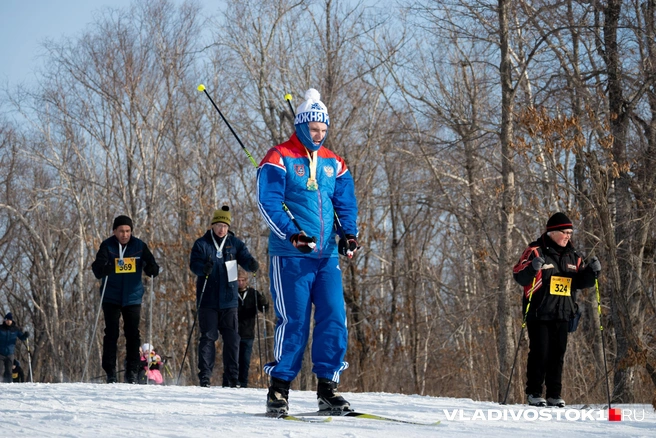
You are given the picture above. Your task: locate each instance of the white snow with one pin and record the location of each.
(119, 410)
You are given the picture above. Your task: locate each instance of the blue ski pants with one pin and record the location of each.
(297, 283)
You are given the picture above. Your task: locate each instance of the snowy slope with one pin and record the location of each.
(99, 410)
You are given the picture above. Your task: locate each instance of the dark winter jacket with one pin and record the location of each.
(219, 293)
(8, 336)
(247, 311)
(124, 289)
(554, 291)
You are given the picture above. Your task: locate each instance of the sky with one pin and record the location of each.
(25, 24)
(122, 410)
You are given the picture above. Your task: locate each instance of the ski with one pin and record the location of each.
(362, 415)
(289, 417)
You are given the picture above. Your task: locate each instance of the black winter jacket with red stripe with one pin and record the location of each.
(547, 302)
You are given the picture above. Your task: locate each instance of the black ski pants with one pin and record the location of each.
(211, 323)
(245, 351)
(131, 317)
(548, 343)
(7, 362)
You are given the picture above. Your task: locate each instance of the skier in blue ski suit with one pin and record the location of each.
(314, 184)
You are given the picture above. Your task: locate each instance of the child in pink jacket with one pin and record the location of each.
(151, 364)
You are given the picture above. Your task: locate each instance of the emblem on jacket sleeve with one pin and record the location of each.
(299, 169)
(329, 171)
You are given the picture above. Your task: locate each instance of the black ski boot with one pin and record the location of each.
(277, 397)
(131, 377)
(111, 377)
(329, 399)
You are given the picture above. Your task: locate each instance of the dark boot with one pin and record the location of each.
(131, 377)
(111, 376)
(328, 397)
(277, 398)
(204, 381)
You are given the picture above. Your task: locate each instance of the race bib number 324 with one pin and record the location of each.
(126, 266)
(561, 286)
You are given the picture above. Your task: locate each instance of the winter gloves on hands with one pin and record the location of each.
(347, 245)
(209, 265)
(151, 270)
(595, 265)
(253, 266)
(303, 243)
(108, 269)
(537, 263)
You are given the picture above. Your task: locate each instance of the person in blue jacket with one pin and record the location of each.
(214, 259)
(9, 333)
(315, 185)
(120, 261)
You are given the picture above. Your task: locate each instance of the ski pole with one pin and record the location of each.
(201, 87)
(288, 98)
(521, 332)
(191, 332)
(95, 326)
(150, 326)
(298, 226)
(603, 343)
(266, 345)
(257, 323)
(29, 359)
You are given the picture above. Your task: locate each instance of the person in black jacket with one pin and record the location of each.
(250, 302)
(9, 333)
(551, 271)
(17, 374)
(121, 260)
(214, 259)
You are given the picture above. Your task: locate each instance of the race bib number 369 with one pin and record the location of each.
(561, 286)
(126, 266)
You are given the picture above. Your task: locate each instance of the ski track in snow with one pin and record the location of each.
(120, 410)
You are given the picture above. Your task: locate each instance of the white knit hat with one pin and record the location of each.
(312, 110)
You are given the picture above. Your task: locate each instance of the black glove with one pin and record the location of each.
(303, 243)
(348, 245)
(27, 334)
(151, 270)
(595, 265)
(209, 265)
(108, 269)
(537, 263)
(253, 266)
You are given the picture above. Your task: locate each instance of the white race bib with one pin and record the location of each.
(231, 267)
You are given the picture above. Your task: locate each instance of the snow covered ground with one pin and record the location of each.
(99, 410)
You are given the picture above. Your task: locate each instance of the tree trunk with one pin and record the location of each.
(505, 343)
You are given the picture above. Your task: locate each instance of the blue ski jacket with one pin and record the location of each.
(283, 177)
